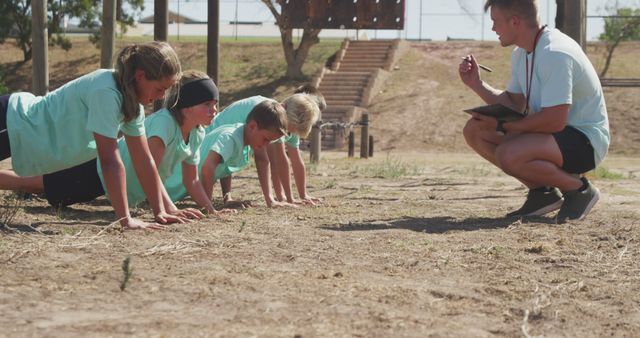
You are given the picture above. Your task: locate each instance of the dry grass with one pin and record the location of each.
(409, 243)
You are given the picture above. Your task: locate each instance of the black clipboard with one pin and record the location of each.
(499, 111)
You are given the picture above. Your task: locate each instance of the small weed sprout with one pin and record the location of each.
(242, 226)
(11, 206)
(127, 271)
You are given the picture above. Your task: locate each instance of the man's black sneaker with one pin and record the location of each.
(578, 203)
(539, 201)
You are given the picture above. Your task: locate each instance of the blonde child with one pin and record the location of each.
(286, 151)
(302, 112)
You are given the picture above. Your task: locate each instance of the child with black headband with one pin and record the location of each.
(174, 136)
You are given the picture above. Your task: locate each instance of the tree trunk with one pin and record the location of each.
(624, 33)
(296, 57)
(607, 63)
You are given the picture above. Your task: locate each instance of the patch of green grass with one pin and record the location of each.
(68, 231)
(331, 184)
(604, 173)
(392, 167)
(497, 250)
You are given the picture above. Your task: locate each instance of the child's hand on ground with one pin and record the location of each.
(310, 200)
(189, 213)
(278, 204)
(166, 218)
(135, 224)
(221, 212)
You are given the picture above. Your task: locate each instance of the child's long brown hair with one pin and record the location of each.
(158, 61)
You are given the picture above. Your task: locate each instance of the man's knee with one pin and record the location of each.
(507, 158)
(470, 132)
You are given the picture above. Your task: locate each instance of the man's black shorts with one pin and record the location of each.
(577, 151)
(74, 185)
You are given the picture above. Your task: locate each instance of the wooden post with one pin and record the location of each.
(40, 43)
(316, 143)
(575, 20)
(352, 144)
(108, 33)
(161, 20)
(370, 145)
(213, 39)
(364, 136)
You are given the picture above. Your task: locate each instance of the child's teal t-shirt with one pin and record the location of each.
(160, 124)
(228, 142)
(54, 132)
(292, 140)
(236, 112)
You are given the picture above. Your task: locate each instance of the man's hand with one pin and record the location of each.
(469, 71)
(485, 122)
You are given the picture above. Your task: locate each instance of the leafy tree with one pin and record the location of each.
(16, 21)
(623, 26)
(295, 57)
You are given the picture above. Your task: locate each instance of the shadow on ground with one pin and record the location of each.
(436, 225)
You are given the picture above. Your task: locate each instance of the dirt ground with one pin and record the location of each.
(409, 243)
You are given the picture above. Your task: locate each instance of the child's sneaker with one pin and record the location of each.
(539, 201)
(578, 203)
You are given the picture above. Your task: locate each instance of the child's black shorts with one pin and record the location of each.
(5, 149)
(74, 185)
(577, 151)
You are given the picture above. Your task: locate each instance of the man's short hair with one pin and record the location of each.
(269, 115)
(525, 9)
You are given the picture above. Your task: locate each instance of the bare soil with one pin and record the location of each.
(411, 243)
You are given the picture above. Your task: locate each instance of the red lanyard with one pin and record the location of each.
(529, 78)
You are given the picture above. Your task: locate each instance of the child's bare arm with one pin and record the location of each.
(157, 149)
(300, 175)
(209, 172)
(278, 156)
(194, 187)
(262, 167)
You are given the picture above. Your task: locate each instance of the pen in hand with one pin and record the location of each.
(479, 65)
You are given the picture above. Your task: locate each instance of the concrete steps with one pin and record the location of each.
(348, 85)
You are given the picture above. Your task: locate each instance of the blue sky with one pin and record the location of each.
(462, 19)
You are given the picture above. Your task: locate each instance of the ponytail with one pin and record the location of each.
(158, 61)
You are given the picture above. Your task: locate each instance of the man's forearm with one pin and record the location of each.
(492, 95)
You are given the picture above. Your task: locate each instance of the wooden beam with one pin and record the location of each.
(160, 20)
(574, 20)
(40, 47)
(108, 33)
(213, 39)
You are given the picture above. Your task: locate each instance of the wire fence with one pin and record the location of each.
(424, 19)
